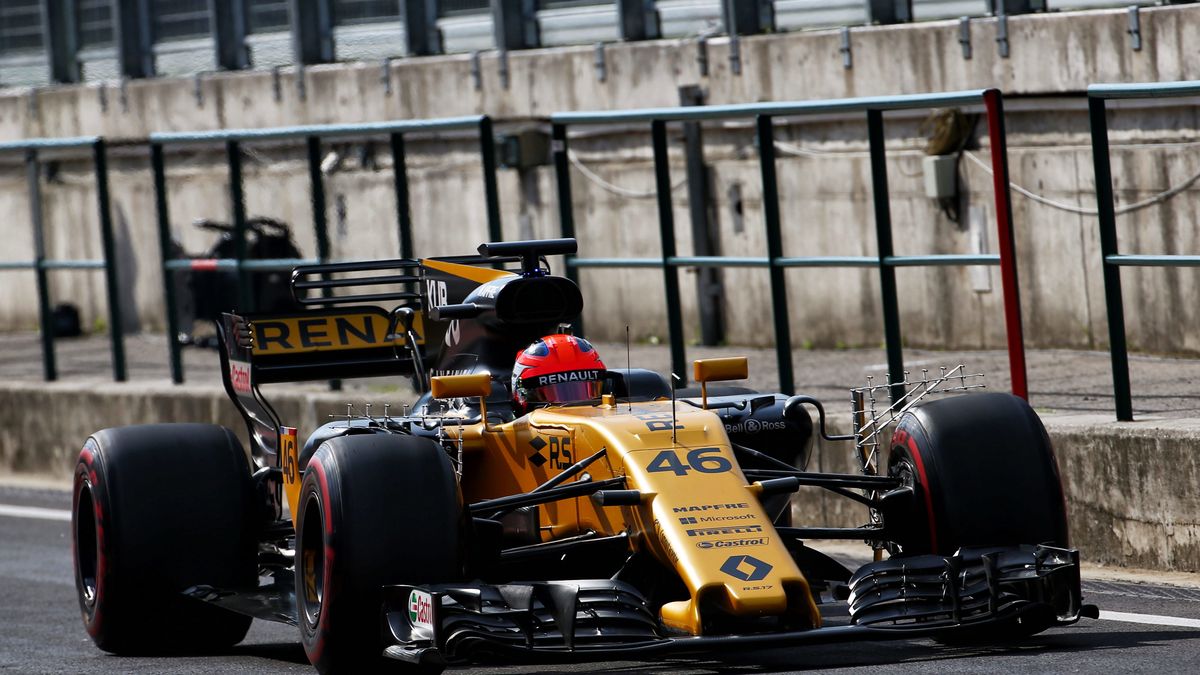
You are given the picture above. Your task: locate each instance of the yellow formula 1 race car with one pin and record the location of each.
(488, 521)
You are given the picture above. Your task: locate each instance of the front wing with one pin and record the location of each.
(899, 598)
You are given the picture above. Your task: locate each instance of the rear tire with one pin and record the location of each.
(984, 474)
(157, 509)
(374, 510)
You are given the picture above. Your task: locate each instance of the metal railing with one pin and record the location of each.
(312, 135)
(1112, 261)
(41, 265)
(775, 262)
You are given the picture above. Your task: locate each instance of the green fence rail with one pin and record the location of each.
(775, 262)
(312, 135)
(40, 264)
(1111, 259)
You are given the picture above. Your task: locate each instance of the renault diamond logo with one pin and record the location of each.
(746, 568)
(537, 443)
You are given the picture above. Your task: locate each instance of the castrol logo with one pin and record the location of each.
(239, 377)
(420, 610)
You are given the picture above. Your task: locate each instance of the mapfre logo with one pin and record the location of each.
(710, 507)
(239, 377)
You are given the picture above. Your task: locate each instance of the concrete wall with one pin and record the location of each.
(826, 205)
(1050, 53)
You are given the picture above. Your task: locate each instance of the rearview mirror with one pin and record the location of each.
(404, 318)
(464, 386)
(718, 370)
(461, 386)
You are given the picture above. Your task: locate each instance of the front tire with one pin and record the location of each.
(375, 510)
(983, 472)
(157, 509)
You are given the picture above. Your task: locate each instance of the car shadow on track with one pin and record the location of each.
(286, 652)
(812, 657)
(870, 654)
(876, 654)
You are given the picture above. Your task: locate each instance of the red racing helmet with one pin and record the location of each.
(557, 369)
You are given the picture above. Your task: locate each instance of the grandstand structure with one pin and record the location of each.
(45, 42)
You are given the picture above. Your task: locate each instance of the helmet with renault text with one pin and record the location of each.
(557, 369)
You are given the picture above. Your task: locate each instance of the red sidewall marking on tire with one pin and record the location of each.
(88, 459)
(327, 516)
(912, 448)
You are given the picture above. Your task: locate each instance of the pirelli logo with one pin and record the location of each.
(315, 332)
(726, 529)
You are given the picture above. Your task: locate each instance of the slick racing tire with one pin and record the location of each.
(374, 510)
(983, 473)
(157, 509)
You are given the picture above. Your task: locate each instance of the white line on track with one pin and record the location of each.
(1153, 619)
(34, 512)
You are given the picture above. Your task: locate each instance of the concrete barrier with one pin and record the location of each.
(1130, 487)
(43, 425)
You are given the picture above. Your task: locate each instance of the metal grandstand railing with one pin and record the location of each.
(41, 265)
(775, 261)
(312, 137)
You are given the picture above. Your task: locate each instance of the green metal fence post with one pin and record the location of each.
(158, 165)
(771, 218)
(33, 177)
(316, 186)
(883, 235)
(312, 134)
(487, 152)
(400, 187)
(666, 228)
(559, 149)
(884, 261)
(116, 329)
(237, 199)
(1118, 349)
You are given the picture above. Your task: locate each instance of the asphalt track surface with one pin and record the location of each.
(1157, 630)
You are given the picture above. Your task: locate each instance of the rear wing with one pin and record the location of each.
(322, 344)
(338, 337)
(346, 332)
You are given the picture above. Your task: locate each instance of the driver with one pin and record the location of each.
(557, 369)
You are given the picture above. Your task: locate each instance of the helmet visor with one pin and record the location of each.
(564, 392)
